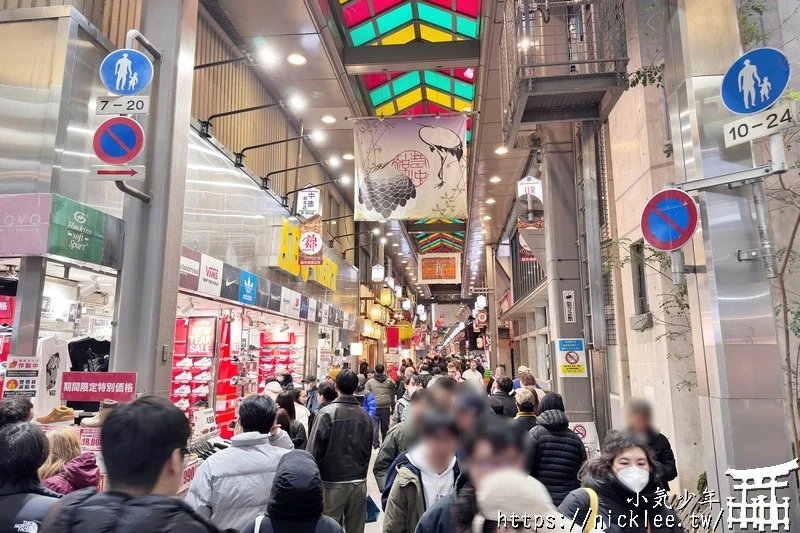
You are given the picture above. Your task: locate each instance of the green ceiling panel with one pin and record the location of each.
(467, 27)
(464, 90)
(363, 34)
(395, 18)
(406, 82)
(434, 15)
(380, 95)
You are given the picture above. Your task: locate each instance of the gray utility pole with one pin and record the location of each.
(147, 288)
(739, 372)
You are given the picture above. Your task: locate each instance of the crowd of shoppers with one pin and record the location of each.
(460, 449)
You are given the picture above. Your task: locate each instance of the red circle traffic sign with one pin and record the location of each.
(580, 430)
(572, 358)
(118, 140)
(669, 220)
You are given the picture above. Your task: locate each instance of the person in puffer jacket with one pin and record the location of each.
(295, 505)
(67, 469)
(232, 486)
(144, 473)
(556, 454)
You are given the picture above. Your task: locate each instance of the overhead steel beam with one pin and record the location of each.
(415, 229)
(411, 56)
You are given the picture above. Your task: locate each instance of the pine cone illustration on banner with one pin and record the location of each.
(385, 189)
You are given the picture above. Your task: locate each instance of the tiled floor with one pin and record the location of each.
(372, 490)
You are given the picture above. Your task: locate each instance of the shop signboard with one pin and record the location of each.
(200, 337)
(231, 278)
(24, 223)
(309, 202)
(304, 307)
(98, 386)
(587, 431)
(312, 309)
(6, 307)
(440, 268)
(295, 301)
(318, 314)
(526, 255)
(262, 297)
(287, 259)
(311, 243)
(22, 376)
(286, 301)
(190, 269)
(571, 358)
(530, 185)
(76, 231)
(275, 297)
(210, 275)
(248, 288)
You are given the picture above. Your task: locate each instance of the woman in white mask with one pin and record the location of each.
(618, 492)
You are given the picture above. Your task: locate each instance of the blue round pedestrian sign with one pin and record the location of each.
(755, 81)
(126, 72)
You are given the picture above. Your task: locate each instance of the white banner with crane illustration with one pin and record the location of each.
(410, 168)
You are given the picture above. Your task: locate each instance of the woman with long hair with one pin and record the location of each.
(622, 482)
(302, 413)
(66, 468)
(290, 425)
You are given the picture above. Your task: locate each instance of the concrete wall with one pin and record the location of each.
(659, 358)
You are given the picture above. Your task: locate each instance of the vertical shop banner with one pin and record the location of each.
(200, 337)
(392, 337)
(311, 243)
(22, 377)
(275, 297)
(98, 386)
(210, 275)
(190, 269)
(440, 268)
(24, 223)
(411, 169)
(312, 309)
(248, 285)
(526, 255)
(231, 278)
(571, 358)
(262, 293)
(309, 202)
(318, 314)
(76, 231)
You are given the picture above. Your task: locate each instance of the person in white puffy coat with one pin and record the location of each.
(233, 486)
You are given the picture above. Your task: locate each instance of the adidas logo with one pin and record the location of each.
(249, 285)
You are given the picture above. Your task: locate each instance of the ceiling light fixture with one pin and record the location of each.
(376, 231)
(395, 244)
(383, 240)
(296, 102)
(403, 262)
(389, 234)
(317, 136)
(328, 119)
(382, 221)
(502, 150)
(344, 179)
(297, 59)
(490, 200)
(487, 217)
(268, 56)
(348, 157)
(334, 162)
(495, 179)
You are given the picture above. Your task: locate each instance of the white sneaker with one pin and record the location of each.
(183, 390)
(182, 404)
(184, 363)
(183, 377)
(202, 390)
(205, 362)
(252, 375)
(203, 377)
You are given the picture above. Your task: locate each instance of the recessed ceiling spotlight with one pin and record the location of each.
(297, 59)
(317, 136)
(490, 200)
(403, 261)
(348, 157)
(333, 162)
(383, 240)
(268, 56)
(296, 102)
(395, 244)
(328, 119)
(382, 221)
(502, 150)
(344, 179)
(398, 253)
(495, 179)
(316, 94)
(487, 217)
(376, 231)
(389, 234)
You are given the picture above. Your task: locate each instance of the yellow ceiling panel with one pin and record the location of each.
(409, 99)
(432, 35)
(404, 36)
(439, 97)
(386, 109)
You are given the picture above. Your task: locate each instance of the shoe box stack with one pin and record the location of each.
(227, 395)
(192, 363)
(274, 356)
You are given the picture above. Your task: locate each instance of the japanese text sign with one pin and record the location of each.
(308, 202)
(311, 243)
(98, 386)
(22, 377)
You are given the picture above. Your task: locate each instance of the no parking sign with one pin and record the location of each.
(669, 220)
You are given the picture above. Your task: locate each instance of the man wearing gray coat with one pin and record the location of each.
(233, 486)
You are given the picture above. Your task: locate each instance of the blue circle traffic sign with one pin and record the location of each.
(126, 72)
(669, 220)
(755, 81)
(118, 140)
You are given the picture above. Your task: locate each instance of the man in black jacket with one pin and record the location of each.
(504, 387)
(385, 391)
(143, 447)
(556, 454)
(641, 432)
(341, 443)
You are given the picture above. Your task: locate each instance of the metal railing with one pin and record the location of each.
(526, 276)
(559, 38)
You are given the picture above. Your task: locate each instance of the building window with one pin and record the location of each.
(639, 279)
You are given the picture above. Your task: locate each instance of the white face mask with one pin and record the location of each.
(634, 478)
(307, 387)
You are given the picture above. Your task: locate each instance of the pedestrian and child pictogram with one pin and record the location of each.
(755, 81)
(126, 72)
(669, 220)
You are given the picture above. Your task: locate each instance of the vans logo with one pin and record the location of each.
(212, 273)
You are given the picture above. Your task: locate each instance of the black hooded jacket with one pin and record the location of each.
(556, 454)
(295, 505)
(116, 512)
(24, 505)
(620, 508)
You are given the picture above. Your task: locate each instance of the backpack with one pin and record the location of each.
(593, 511)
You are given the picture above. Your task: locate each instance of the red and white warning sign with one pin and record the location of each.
(587, 431)
(571, 358)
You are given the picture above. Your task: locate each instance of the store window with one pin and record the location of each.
(639, 278)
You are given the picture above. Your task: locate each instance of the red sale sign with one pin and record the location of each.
(200, 337)
(98, 386)
(90, 439)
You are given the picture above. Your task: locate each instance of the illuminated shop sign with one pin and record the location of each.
(288, 260)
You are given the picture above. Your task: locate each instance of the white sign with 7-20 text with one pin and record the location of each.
(773, 120)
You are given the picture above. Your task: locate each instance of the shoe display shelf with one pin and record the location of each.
(273, 356)
(193, 363)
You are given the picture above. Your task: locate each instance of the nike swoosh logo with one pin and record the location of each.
(229, 283)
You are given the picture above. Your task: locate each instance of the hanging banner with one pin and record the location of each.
(411, 169)
(311, 243)
(440, 268)
(309, 202)
(526, 255)
(98, 386)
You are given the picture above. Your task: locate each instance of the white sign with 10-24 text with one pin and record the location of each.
(773, 120)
